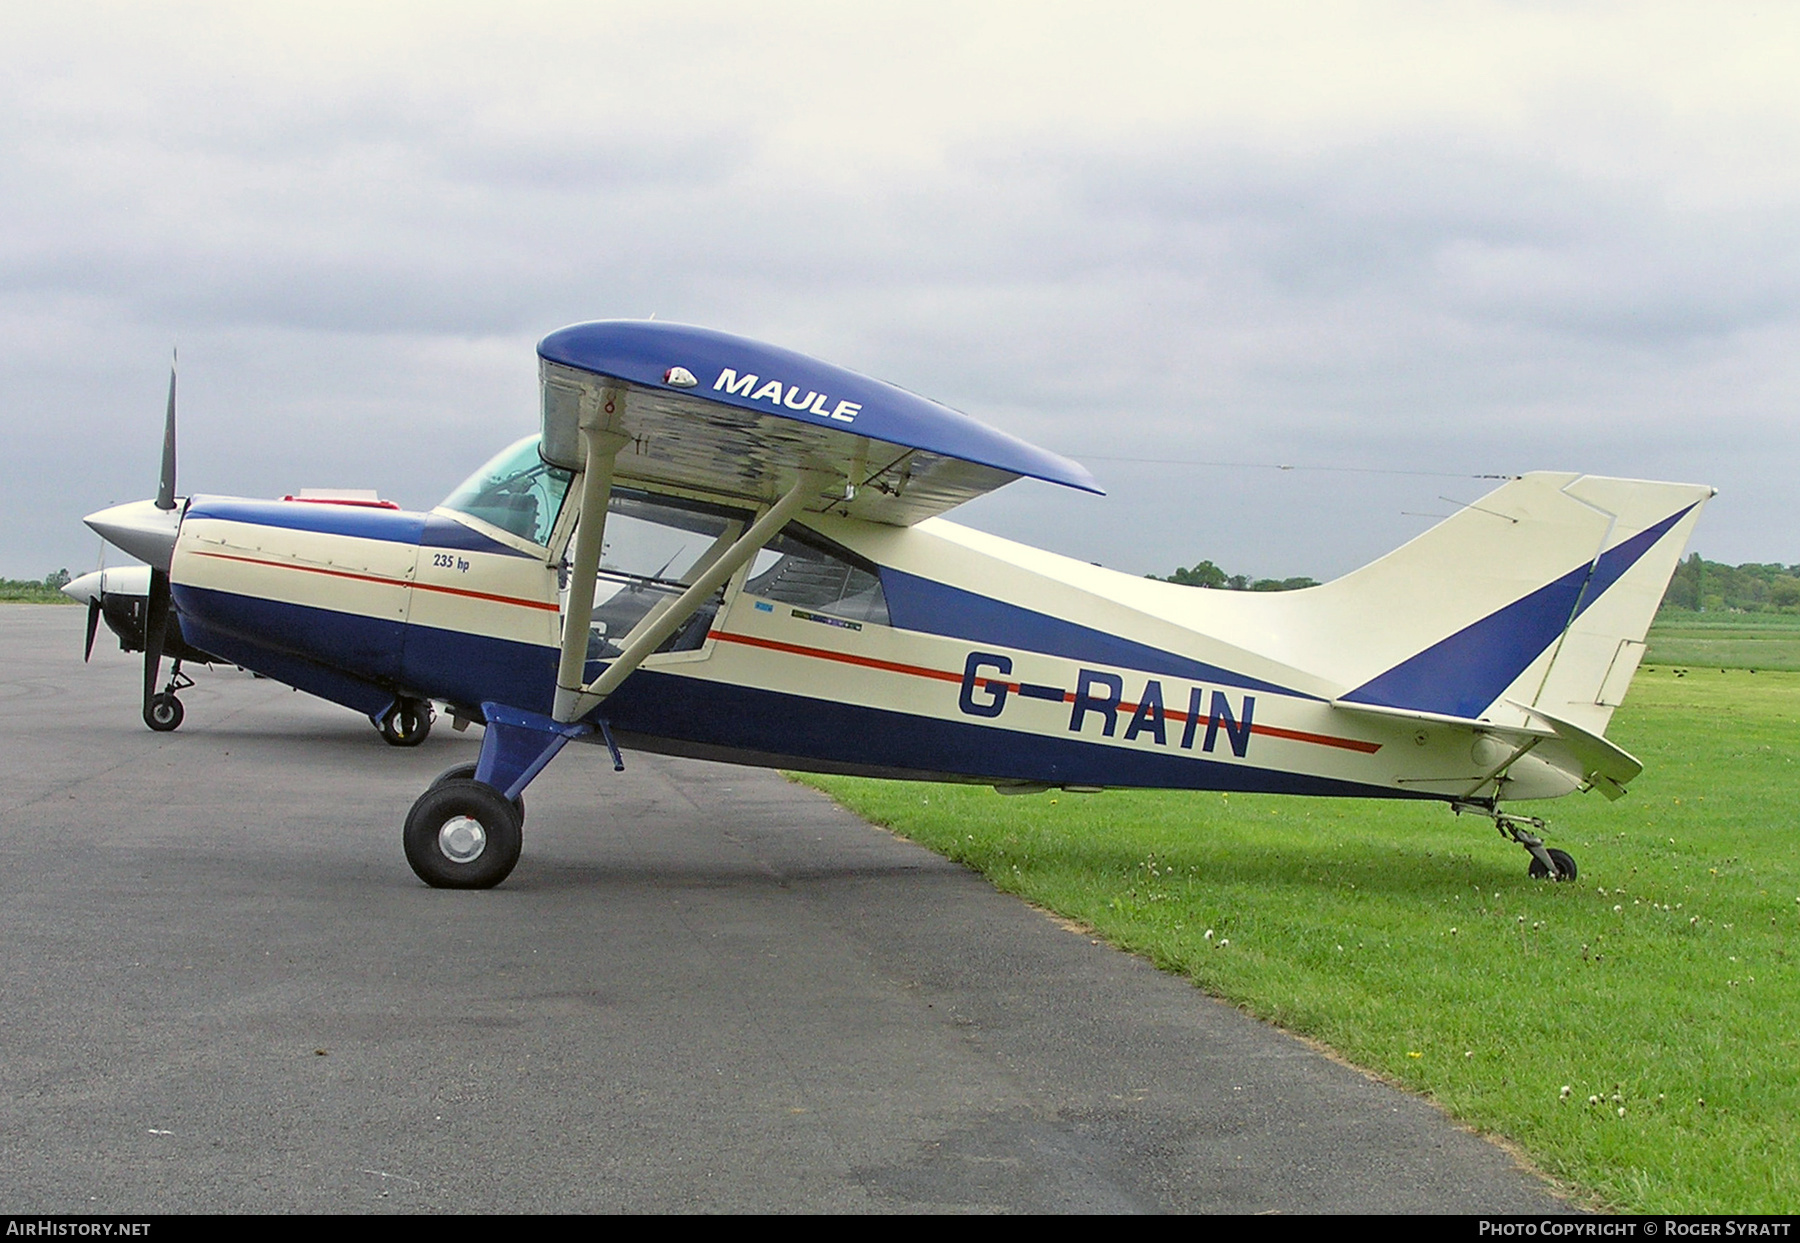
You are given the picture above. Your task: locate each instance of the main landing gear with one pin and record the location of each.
(463, 834)
(1546, 863)
(466, 830)
(163, 711)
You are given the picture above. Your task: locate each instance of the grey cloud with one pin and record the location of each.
(357, 283)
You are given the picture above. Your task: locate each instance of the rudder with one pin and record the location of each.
(1537, 595)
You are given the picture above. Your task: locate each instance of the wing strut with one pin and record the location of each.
(575, 700)
(602, 446)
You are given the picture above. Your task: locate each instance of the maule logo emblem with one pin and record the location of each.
(679, 377)
(779, 394)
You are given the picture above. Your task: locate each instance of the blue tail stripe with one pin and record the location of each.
(1463, 674)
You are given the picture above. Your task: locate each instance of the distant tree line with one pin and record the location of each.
(48, 590)
(1699, 585)
(1702, 586)
(1206, 574)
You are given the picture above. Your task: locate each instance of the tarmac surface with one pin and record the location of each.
(703, 989)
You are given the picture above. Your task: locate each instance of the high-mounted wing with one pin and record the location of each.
(723, 414)
(670, 405)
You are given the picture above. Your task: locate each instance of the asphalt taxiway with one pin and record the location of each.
(703, 989)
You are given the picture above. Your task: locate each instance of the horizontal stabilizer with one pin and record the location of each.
(1562, 744)
(1440, 718)
(1605, 765)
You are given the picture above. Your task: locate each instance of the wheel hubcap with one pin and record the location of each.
(462, 839)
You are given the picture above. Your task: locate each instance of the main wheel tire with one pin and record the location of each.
(463, 834)
(466, 772)
(163, 713)
(1564, 861)
(407, 723)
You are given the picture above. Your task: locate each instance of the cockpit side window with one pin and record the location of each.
(803, 568)
(516, 491)
(653, 547)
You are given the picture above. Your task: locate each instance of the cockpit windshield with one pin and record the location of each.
(516, 491)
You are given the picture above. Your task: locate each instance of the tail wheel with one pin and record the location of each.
(407, 723)
(463, 834)
(1565, 866)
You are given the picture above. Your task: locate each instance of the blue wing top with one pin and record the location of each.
(681, 371)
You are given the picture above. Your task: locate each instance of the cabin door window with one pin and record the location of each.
(653, 547)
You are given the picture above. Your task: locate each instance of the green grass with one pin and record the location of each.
(1725, 640)
(24, 591)
(1412, 943)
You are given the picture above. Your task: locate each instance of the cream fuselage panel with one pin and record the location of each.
(343, 573)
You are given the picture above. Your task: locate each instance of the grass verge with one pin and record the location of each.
(1635, 1032)
(14, 591)
(1725, 640)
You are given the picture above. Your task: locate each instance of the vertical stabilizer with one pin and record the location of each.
(1537, 596)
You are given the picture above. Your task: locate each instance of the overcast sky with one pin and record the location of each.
(1394, 246)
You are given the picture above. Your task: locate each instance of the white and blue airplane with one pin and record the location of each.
(722, 549)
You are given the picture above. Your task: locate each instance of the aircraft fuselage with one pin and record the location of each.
(363, 606)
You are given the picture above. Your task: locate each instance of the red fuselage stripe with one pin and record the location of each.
(795, 649)
(547, 606)
(940, 675)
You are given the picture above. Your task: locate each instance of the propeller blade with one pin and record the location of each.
(156, 628)
(93, 626)
(165, 490)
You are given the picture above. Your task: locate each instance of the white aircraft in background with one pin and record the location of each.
(121, 596)
(722, 549)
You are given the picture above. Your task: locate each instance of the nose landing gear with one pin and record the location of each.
(163, 711)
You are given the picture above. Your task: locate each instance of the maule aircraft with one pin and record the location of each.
(721, 549)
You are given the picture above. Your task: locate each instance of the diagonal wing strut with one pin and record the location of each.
(575, 700)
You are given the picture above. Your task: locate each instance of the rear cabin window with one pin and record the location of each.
(800, 568)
